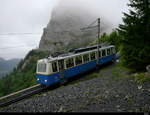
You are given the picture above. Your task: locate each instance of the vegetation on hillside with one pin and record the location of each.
(135, 42)
(23, 75)
(6, 66)
(132, 38)
(113, 38)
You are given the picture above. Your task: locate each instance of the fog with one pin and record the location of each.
(31, 16)
(110, 12)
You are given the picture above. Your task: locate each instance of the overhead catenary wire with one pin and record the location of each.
(16, 46)
(90, 26)
(11, 34)
(5, 36)
(20, 34)
(8, 35)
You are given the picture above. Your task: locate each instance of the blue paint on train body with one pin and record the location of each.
(71, 72)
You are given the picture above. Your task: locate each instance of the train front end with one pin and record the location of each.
(43, 73)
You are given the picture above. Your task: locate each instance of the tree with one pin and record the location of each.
(113, 38)
(135, 34)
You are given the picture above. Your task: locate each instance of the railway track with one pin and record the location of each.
(25, 93)
(20, 95)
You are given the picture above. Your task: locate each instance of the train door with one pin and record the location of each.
(61, 71)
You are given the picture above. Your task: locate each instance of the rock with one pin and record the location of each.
(135, 74)
(105, 96)
(107, 92)
(147, 74)
(117, 96)
(103, 109)
(118, 106)
(63, 31)
(126, 97)
(44, 94)
(146, 113)
(118, 110)
(148, 68)
(60, 109)
(140, 87)
(131, 80)
(117, 60)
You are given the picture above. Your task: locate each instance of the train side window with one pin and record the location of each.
(54, 66)
(86, 58)
(78, 60)
(108, 51)
(61, 65)
(96, 54)
(99, 54)
(69, 63)
(113, 50)
(103, 53)
(93, 57)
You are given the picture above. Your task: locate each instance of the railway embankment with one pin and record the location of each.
(111, 89)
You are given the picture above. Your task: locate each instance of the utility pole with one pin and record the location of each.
(98, 35)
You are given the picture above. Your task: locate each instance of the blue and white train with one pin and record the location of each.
(54, 70)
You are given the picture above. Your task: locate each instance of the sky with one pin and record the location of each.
(22, 21)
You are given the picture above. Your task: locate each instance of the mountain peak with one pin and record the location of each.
(63, 31)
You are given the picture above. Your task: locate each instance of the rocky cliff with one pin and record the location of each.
(63, 31)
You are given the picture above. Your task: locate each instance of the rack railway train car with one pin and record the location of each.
(59, 69)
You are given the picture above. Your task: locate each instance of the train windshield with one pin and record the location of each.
(41, 67)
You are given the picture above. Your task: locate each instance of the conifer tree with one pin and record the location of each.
(135, 34)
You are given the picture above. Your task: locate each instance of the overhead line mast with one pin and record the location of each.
(98, 36)
(98, 39)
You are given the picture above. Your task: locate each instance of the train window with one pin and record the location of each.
(108, 52)
(41, 67)
(61, 65)
(86, 58)
(99, 54)
(78, 60)
(113, 50)
(93, 57)
(96, 54)
(69, 63)
(103, 53)
(54, 66)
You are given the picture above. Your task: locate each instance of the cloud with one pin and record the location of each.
(110, 12)
(24, 15)
(21, 16)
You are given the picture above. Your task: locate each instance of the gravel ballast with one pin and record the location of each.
(105, 93)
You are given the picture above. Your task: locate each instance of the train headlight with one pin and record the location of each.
(38, 79)
(45, 80)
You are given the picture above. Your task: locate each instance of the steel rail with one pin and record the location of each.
(25, 93)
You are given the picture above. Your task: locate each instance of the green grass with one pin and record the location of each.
(92, 75)
(118, 72)
(140, 78)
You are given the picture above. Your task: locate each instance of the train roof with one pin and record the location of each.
(78, 52)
